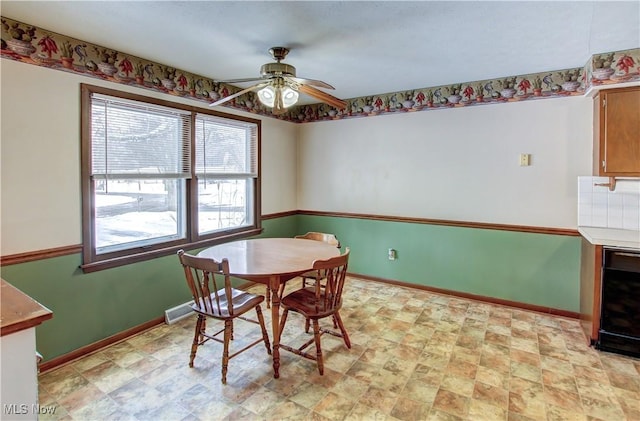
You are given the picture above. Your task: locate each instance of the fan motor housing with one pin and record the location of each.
(270, 69)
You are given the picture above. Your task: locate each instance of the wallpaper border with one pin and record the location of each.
(32, 45)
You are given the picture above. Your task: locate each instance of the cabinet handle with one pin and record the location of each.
(611, 184)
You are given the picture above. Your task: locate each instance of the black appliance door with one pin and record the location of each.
(620, 311)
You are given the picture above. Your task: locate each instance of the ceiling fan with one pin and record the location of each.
(278, 87)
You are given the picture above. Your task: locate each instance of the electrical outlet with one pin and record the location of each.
(525, 159)
(392, 254)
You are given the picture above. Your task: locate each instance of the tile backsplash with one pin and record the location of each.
(600, 207)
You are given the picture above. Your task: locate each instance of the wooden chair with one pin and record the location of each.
(319, 302)
(317, 236)
(315, 275)
(214, 297)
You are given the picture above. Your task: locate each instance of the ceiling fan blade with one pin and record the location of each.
(237, 94)
(323, 96)
(314, 82)
(241, 80)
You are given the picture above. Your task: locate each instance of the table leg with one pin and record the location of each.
(274, 285)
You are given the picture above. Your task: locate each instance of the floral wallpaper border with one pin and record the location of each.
(28, 44)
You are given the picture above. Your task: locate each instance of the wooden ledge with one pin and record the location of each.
(19, 311)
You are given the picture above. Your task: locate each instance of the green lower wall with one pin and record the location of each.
(529, 268)
(90, 307)
(539, 269)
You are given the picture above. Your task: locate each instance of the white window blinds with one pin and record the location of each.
(225, 148)
(131, 139)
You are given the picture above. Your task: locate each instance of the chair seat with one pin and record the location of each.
(304, 301)
(242, 302)
(311, 274)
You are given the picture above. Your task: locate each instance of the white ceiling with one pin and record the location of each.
(360, 47)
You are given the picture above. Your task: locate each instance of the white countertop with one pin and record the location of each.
(611, 237)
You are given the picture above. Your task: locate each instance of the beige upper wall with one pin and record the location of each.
(457, 164)
(40, 157)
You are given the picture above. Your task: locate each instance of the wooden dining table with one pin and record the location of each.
(272, 262)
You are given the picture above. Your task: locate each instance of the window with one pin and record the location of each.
(158, 176)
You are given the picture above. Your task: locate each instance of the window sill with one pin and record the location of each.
(141, 257)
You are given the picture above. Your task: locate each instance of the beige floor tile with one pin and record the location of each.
(308, 394)
(408, 409)
(419, 391)
(599, 391)
(96, 410)
(452, 403)
(471, 356)
(624, 381)
(484, 411)
(526, 371)
(434, 359)
(555, 413)
(495, 396)
(362, 412)
(350, 387)
(493, 377)
(262, 400)
(288, 410)
(556, 365)
(533, 407)
(602, 410)
(380, 399)
(562, 398)
(559, 380)
(437, 415)
(390, 380)
(81, 397)
(462, 369)
(334, 406)
(461, 385)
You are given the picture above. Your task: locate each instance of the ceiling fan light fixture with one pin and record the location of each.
(289, 96)
(267, 96)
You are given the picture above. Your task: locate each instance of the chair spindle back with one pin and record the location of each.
(329, 296)
(206, 279)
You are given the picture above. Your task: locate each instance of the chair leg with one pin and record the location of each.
(268, 297)
(283, 320)
(196, 339)
(306, 326)
(265, 337)
(316, 338)
(345, 335)
(228, 326)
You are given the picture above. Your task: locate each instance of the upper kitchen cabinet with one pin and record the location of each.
(617, 132)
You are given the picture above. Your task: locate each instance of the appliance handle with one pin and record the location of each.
(619, 253)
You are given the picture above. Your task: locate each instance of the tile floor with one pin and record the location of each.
(415, 356)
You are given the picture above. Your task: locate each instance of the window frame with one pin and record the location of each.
(91, 260)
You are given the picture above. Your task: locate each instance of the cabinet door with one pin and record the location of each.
(619, 132)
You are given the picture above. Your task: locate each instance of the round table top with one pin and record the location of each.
(259, 259)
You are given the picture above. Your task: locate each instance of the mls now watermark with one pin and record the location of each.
(24, 409)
